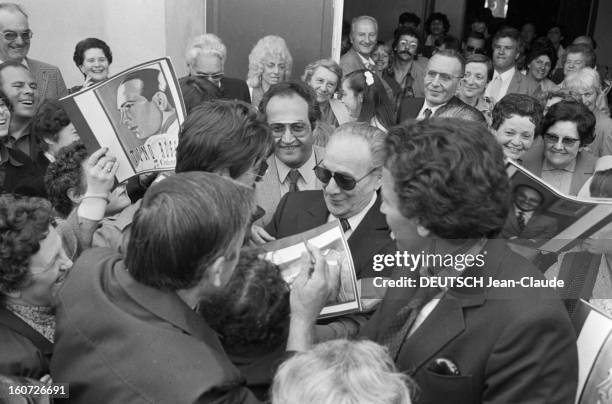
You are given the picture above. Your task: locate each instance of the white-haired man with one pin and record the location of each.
(364, 33)
(206, 55)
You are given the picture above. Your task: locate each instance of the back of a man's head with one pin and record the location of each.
(184, 224)
(449, 175)
(222, 136)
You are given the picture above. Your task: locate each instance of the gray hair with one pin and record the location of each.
(329, 64)
(341, 372)
(267, 46)
(363, 18)
(206, 44)
(586, 77)
(374, 137)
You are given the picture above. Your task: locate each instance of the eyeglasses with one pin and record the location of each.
(12, 35)
(578, 96)
(297, 129)
(214, 77)
(445, 78)
(344, 181)
(554, 139)
(261, 171)
(480, 51)
(408, 44)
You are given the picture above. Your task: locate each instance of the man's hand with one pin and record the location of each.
(259, 235)
(100, 172)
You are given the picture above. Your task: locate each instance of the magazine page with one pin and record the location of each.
(541, 218)
(136, 114)
(329, 238)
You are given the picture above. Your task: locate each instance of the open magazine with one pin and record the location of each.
(557, 222)
(136, 114)
(594, 329)
(329, 238)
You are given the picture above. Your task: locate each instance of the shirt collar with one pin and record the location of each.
(24, 62)
(356, 219)
(365, 61)
(505, 76)
(5, 155)
(305, 170)
(570, 168)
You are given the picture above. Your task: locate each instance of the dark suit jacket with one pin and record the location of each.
(539, 227)
(305, 210)
(23, 350)
(235, 89)
(585, 167)
(49, 79)
(120, 341)
(410, 107)
(512, 345)
(521, 84)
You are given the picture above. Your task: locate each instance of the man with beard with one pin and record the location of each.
(507, 79)
(290, 112)
(364, 33)
(407, 73)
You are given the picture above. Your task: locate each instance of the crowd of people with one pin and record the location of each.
(157, 289)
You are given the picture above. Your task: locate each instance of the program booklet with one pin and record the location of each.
(136, 114)
(330, 239)
(552, 221)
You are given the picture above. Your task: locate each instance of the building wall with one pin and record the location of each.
(603, 33)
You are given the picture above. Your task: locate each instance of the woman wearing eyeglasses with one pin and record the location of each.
(565, 164)
(93, 57)
(478, 72)
(585, 86)
(366, 99)
(270, 62)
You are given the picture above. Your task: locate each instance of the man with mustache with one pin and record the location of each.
(364, 32)
(506, 78)
(290, 112)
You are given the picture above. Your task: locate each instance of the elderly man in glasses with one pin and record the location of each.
(350, 174)
(290, 112)
(442, 75)
(205, 57)
(15, 36)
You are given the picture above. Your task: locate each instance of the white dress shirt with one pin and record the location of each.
(355, 219)
(421, 114)
(307, 180)
(506, 78)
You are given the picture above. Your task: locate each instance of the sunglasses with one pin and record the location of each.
(211, 77)
(475, 50)
(344, 181)
(12, 35)
(554, 139)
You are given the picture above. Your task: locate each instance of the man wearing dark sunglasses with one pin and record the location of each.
(15, 36)
(474, 43)
(350, 174)
(205, 57)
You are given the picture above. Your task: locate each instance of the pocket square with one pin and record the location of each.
(443, 366)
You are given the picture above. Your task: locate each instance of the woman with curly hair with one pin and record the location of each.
(436, 26)
(324, 77)
(270, 62)
(366, 99)
(93, 57)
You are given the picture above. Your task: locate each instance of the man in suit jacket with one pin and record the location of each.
(469, 342)
(526, 221)
(206, 56)
(364, 33)
(290, 112)
(442, 75)
(358, 206)
(506, 77)
(14, 46)
(145, 305)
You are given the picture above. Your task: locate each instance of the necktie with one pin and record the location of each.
(520, 219)
(426, 113)
(345, 225)
(495, 89)
(294, 176)
(394, 336)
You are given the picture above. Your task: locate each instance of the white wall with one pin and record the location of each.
(135, 30)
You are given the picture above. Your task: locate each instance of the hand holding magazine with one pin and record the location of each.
(136, 114)
(329, 238)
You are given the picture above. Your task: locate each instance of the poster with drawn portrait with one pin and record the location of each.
(136, 114)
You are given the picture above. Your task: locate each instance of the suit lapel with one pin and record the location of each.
(515, 83)
(365, 237)
(40, 75)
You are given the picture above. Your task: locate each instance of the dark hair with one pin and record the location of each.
(409, 18)
(220, 135)
(572, 111)
(90, 43)
(449, 174)
(463, 111)
(452, 53)
(289, 89)
(197, 90)
(484, 59)
(6, 100)
(12, 63)
(539, 49)
(233, 315)
(49, 120)
(475, 35)
(24, 223)
(401, 31)
(601, 184)
(64, 173)
(507, 32)
(375, 103)
(151, 83)
(540, 194)
(521, 105)
(440, 17)
(185, 223)
(589, 54)
(449, 42)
